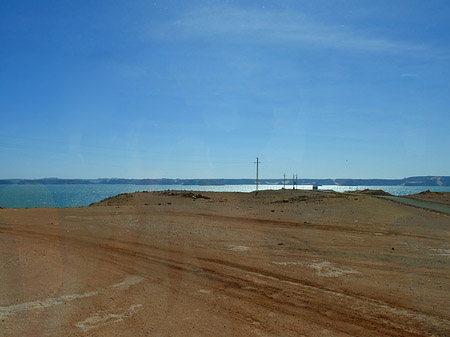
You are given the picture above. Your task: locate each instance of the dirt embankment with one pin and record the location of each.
(176, 263)
(371, 192)
(437, 197)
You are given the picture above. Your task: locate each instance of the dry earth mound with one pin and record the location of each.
(372, 192)
(437, 197)
(168, 197)
(146, 198)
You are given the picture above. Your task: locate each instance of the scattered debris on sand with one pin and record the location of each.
(195, 195)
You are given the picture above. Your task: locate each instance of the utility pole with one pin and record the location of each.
(257, 168)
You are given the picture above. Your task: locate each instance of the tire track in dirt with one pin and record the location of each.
(369, 307)
(275, 223)
(354, 312)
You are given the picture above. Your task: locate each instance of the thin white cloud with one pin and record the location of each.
(258, 26)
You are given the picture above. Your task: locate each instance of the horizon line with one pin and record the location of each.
(253, 178)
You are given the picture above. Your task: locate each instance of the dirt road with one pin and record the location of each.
(431, 206)
(284, 263)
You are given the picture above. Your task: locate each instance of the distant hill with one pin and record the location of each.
(411, 181)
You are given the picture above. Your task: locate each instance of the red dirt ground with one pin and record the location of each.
(279, 263)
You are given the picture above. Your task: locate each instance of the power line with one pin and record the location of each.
(257, 172)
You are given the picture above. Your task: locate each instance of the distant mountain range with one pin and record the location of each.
(411, 181)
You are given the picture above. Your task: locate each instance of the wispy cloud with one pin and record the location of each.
(294, 29)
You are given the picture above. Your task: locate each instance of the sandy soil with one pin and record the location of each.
(370, 192)
(437, 197)
(279, 263)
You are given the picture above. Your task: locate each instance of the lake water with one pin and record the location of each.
(19, 196)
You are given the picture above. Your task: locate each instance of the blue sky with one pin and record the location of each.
(199, 89)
